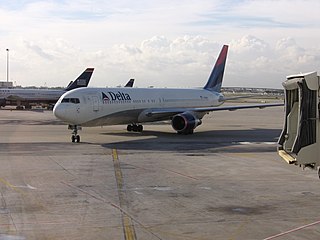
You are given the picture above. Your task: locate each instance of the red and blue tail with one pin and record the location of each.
(215, 80)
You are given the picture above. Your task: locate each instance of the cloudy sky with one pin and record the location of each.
(167, 43)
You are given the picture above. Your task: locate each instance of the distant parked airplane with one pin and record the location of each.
(130, 83)
(133, 106)
(26, 97)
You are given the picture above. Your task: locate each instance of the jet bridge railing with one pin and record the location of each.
(299, 140)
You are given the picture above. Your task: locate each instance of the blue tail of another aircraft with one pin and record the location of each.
(82, 81)
(215, 80)
(130, 83)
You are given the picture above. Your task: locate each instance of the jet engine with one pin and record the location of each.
(185, 123)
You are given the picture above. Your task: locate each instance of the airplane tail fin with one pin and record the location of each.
(215, 80)
(82, 81)
(130, 83)
(70, 83)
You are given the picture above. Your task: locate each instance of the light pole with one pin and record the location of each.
(7, 64)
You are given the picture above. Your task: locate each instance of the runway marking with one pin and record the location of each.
(11, 186)
(175, 172)
(181, 174)
(18, 190)
(292, 230)
(127, 223)
(159, 188)
(100, 198)
(139, 193)
(27, 186)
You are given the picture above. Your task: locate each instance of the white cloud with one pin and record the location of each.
(160, 61)
(249, 44)
(161, 43)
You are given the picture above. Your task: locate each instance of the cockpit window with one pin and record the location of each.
(71, 100)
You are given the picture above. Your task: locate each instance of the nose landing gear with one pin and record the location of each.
(75, 137)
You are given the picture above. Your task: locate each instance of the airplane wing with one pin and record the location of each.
(233, 108)
(224, 99)
(172, 111)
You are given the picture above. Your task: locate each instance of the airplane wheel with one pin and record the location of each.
(135, 128)
(75, 138)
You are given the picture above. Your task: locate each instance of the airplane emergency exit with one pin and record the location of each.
(299, 142)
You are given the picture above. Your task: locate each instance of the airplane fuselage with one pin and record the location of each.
(31, 94)
(48, 96)
(110, 106)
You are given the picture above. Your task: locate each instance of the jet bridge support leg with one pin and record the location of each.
(299, 142)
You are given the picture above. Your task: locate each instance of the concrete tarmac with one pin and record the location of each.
(224, 182)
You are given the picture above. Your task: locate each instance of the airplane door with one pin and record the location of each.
(95, 102)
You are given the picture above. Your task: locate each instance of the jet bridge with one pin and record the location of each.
(299, 141)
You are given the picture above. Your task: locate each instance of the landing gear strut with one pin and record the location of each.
(75, 137)
(134, 128)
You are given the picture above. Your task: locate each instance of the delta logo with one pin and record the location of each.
(105, 98)
(115, 96)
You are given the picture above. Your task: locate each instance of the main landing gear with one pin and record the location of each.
(134, 128)
(75, 137)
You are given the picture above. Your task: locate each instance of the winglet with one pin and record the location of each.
(215, 80)
(82, 81)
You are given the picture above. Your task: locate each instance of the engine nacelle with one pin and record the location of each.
(185, 123)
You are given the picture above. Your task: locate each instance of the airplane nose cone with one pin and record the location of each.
(59, 112)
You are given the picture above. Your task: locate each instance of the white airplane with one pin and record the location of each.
(14, 96)
(110, 106)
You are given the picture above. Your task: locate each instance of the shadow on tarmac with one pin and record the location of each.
(248, 140)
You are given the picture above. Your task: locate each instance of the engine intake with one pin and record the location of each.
(185, 123)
